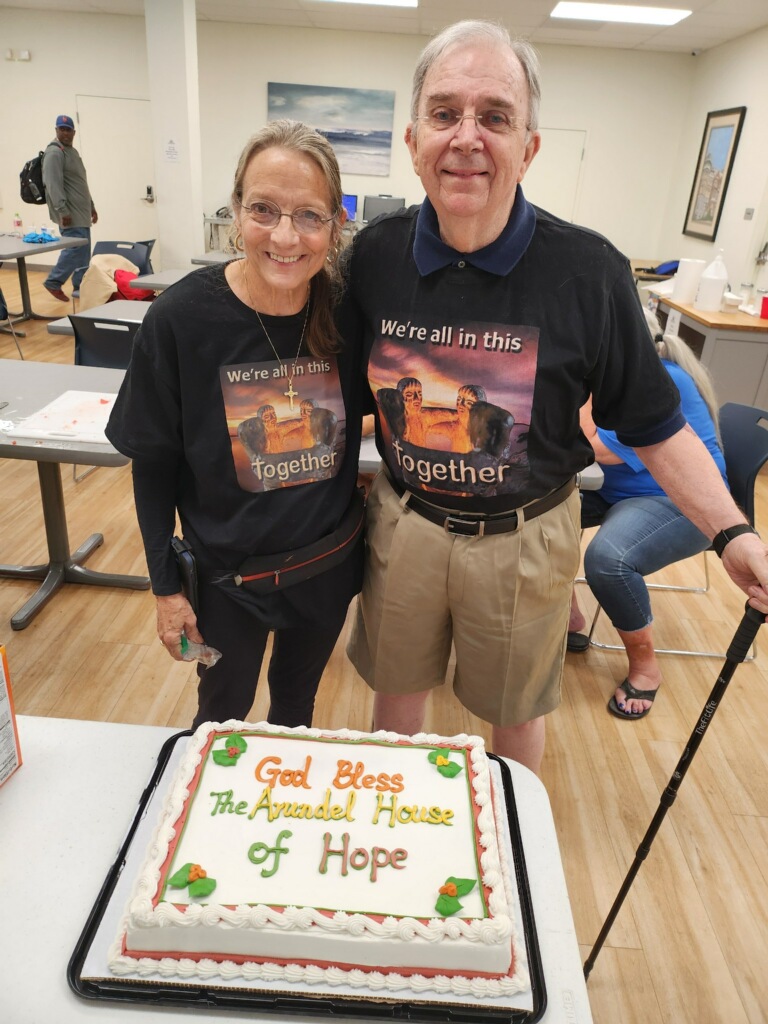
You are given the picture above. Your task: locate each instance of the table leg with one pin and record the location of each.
(26, 302)
(62, 567)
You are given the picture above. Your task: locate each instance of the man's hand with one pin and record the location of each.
(746, 561)
(94, 217)
(66, 221)
(174, 617)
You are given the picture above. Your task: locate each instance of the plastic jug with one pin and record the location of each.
(712, 285)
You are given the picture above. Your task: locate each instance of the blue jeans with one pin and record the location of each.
(71, 261)
(637, 537)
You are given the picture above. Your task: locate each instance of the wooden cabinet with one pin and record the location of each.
(733, 347)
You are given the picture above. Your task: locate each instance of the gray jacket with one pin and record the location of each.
(66, 185)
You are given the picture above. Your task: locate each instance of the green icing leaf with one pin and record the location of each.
(202, 887)
(236, 740)
(222, 757)
(181, 878)
(447, 905)
(449, 771)
(463, 885)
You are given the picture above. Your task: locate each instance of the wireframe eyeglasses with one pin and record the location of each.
(499, 122)
(267, 215)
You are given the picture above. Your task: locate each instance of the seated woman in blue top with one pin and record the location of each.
(641, 530)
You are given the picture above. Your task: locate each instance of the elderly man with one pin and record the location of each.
(482, 286)
(69, 204)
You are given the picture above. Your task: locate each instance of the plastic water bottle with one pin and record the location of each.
(712, 285)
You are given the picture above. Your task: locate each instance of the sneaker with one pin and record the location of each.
(57, 293)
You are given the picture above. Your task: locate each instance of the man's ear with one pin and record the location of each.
(411, 142)
(532, 147)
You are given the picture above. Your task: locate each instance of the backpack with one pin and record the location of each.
(32, 189)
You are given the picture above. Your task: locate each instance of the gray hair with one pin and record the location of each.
(466, 31)
(673, 348)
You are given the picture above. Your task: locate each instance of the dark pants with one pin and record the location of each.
(299, 657)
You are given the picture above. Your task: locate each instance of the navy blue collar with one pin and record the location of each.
(431, 253)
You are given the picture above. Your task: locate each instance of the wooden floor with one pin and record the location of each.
(690, 944)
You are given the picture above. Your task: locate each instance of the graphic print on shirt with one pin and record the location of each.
(454, 404)
(284, 434)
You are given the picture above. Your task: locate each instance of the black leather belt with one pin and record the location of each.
(478, 525)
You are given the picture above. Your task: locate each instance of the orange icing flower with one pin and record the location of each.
(233, 751)
(449, 889)
(441, 760)
(196, 872)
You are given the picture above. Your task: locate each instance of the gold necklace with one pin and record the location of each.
(290, 394)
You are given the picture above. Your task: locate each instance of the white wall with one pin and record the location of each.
(732, 75)
(237, 62)
(71, 54)
(643, 113)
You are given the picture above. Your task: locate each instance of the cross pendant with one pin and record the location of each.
(290, 394)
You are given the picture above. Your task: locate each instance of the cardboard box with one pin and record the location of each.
(10, 751)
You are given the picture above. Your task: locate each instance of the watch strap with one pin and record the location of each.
(720, 540)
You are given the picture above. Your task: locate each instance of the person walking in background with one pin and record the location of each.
(70, 205)
(642, 530)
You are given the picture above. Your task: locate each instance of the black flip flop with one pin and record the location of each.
(632, 694)
(577, 642)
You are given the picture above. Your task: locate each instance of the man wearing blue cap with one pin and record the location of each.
(69, 204)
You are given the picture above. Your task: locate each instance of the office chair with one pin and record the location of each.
(148, 264)
(135, 252)
(103, 343)
(5, 317)
(100, 343)
(744, 432)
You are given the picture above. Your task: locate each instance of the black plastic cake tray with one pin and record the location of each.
(88, 962)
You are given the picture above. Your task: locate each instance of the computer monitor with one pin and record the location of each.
(374, 205)
(350, 205)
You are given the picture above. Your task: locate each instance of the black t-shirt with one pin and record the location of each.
(479, 376)
(207, 416)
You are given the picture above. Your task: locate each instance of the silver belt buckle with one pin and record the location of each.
(480, 523)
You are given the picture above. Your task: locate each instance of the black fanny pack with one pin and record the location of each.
(187, 569)
(262, 573)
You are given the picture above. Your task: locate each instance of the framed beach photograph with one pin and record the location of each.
(713, 170)
(356, 122)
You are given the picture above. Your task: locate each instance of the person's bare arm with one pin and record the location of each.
(687, 473)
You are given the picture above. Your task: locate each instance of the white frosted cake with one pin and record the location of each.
(332, 858)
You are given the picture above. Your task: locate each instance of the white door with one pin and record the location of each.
(114, 138)
(552, 180)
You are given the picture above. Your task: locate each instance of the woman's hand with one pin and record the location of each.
(174, 617)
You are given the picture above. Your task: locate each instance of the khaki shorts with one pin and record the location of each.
(503, 601)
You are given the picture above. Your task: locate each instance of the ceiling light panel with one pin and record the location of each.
(625, 13)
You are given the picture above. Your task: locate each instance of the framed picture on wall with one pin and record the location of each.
(356, 122)
(713, 169)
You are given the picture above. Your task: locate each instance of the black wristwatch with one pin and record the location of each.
(721, 539)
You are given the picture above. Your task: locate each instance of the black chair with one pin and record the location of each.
(5, 317)
(101, 343)
(744, 433)
(148, 269)
(136, 252)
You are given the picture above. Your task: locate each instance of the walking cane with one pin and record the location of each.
(737, 652)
